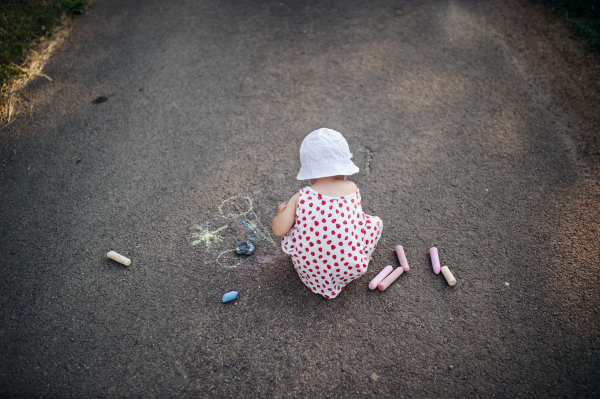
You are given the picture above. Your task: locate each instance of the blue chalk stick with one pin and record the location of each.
(230, 296)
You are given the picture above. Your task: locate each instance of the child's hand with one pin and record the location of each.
(281, 208)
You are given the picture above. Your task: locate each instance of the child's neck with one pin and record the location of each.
(325, 180)
(333, 186)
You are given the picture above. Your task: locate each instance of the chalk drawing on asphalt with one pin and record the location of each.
(237, 222)
(206, 236)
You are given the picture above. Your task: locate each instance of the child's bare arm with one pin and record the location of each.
(286, 215)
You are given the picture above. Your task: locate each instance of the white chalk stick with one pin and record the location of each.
(119, 258)
(449, 277)
(402, 258)
(390, 279)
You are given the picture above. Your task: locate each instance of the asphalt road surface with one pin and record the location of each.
(471, 135)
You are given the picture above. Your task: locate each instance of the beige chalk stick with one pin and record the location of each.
(119, 258)
(449, 277)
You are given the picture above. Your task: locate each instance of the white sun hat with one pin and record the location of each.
(325, 153)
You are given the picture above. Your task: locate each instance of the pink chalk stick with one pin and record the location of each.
(402, 258)
(390, 279)
(435, 259)
(382, 274)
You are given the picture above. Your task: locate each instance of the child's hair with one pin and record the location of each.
(325, 153)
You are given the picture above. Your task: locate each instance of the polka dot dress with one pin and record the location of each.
(331, 241)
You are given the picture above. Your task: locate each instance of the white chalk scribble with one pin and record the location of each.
(238, 222)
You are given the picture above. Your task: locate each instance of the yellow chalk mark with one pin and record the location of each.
(206, 236)
(237, 206)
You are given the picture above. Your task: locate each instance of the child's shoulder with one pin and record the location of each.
(295, 198)
(347, 187)
(351, 185)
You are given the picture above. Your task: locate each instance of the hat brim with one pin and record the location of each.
(316, 172)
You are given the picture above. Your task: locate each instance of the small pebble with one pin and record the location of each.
(244, 248)
(506, 284)
(230, 296)
(99, 100)
(451, 367)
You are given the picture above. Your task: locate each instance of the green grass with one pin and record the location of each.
(584, 18)
(26, 22)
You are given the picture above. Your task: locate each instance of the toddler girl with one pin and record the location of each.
(324, 228)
